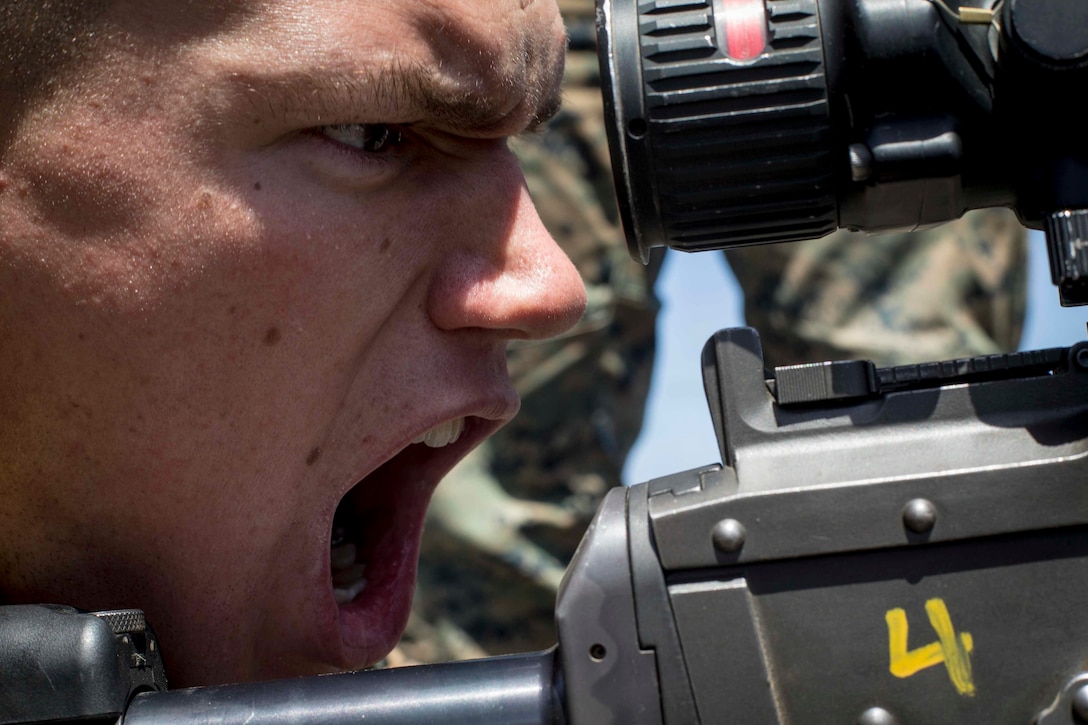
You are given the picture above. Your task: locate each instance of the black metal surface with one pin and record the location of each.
(58, 664)
(1055, 32)
(823, 382)
(1067, 247)
(823, 645)
(513, 690)
(609, 677)
(654, 617)
(919, 557)
(1002, 366)
(713, 621)
(993, 457)
(863, 114)
(842, 380)
(1070, 706)
(695, 106)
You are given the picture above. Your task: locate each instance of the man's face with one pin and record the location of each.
(245, 260)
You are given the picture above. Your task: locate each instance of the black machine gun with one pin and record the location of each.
(877, 546)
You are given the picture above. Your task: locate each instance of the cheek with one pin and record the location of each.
(352, 258)
(118, 230)
(87, 175)
(83, 198)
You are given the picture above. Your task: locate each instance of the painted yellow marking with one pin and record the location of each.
(951, 649)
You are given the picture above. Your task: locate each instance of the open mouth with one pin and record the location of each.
(374, 543)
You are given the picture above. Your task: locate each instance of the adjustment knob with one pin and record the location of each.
(1054, 31)
(1067, 246)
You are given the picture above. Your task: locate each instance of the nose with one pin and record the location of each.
(505, 273)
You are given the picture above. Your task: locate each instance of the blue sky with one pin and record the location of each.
(699, 296)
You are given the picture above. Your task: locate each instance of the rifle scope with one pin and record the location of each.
(738, 122)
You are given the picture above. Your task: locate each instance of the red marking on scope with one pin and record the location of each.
(744, 23)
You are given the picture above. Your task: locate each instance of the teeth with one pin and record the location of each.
(442, 434)
(343, 595)
(348, 582)
(348, 579)
(342, 556)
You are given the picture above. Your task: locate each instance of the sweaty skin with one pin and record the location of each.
(250, 254)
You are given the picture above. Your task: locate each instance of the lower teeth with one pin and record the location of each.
(347, 572)
(347, 594)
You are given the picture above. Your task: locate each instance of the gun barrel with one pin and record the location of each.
(521, 689)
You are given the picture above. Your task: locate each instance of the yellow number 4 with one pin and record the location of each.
(954, 651)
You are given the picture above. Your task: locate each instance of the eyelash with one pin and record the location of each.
(368, 138)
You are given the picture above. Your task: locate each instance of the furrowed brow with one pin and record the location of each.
(405, 94)
(470, 106)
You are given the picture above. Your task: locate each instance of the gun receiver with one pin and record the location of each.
(910, 556)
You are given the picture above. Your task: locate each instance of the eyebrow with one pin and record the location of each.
(410, 93)
(466, 109)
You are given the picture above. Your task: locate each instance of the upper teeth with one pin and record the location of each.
(442, 434)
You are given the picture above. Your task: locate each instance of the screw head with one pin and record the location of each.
(861, 161)
(1080, 702)
(919, 516)
(728, 536)
(877, 716)
(1081, 358)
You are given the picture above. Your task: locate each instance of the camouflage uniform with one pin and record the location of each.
(505, 522)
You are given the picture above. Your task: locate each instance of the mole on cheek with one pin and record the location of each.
(314, 455)
(272, 336)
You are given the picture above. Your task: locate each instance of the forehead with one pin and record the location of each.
(487, 63)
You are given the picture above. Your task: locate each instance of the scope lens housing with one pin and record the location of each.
(718, 121)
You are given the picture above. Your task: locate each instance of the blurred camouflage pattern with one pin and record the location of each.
(952, 291)
(505, 522)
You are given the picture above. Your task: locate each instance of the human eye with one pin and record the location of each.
(370, 138)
